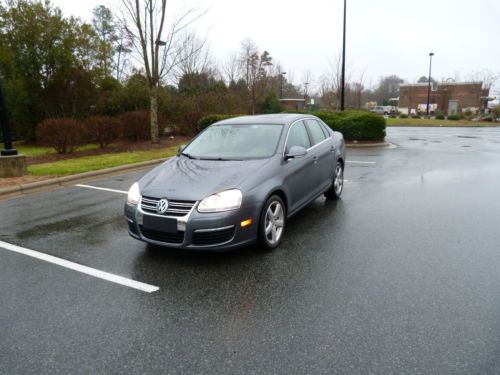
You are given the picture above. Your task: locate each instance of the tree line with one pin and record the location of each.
(54, 66)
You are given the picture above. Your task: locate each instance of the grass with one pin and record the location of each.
(96, 162)
(431, 122)
(31, 150)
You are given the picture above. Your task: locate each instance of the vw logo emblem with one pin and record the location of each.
(162, 206)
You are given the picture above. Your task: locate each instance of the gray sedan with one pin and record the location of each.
(237, 182)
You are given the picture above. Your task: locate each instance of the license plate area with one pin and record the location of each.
(160, 224)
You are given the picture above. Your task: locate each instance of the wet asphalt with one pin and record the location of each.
(402, 275)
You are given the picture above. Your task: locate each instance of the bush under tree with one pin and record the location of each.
(63, 134)
(136, 125)
(103, 129)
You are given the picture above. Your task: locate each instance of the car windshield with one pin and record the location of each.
(235, 142)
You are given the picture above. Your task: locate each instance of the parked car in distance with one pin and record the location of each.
(237, 182)
(382, 110)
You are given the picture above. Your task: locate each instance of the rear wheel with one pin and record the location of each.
(335, 190)
(272, 223)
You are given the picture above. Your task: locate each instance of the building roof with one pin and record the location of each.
(440, 84)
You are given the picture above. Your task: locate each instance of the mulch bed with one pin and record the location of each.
(117, 147)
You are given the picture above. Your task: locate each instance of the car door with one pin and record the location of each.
(323, 155)
(300, 172)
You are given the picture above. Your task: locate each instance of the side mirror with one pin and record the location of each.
(296, 152)
(180, 149)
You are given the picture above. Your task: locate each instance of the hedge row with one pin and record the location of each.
(354, 125)
(66, 134)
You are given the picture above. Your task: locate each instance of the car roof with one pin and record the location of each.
(278, 118)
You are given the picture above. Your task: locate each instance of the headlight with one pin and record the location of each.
(134, 194)
(223, 201)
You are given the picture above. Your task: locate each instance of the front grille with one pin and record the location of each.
(175, 208)
(154, 235)
(213, 237)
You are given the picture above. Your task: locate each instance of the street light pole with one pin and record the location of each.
(342, 94)
(8, 150)
(281, 84)
(429, 85)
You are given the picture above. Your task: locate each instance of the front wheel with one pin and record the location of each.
(335, 190)
(272, 223)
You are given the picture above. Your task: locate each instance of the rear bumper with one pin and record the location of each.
(200, 231)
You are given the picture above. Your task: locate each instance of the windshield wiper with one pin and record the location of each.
(188, 155)
(221, 159)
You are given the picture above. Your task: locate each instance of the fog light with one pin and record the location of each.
(246, 223)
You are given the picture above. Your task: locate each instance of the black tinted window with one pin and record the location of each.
(317, 134)
(298, 136)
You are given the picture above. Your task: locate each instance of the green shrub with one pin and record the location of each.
(454, 117)
(440, 115)
(392, 116)
(208, 120)
(103, 129)
(355, 125)
(63, 134)
(403, 115)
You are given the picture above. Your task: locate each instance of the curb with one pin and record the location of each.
(35, 187)
(367, 145)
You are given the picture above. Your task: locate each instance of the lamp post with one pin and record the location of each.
(429, 85)
(281, 84)
(342, 94)
(8, 150)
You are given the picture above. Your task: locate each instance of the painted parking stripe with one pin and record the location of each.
(102, 188)
(80, 268)
(361, 162)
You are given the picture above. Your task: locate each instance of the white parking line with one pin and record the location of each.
(102, 188)
(80, 268)
(361, 162)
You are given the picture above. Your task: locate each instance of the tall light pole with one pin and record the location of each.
(281, 84)
(429, 85)
(342, 94)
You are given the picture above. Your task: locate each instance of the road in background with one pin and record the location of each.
(399, 276)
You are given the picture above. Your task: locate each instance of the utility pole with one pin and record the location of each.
(342, 94)
(429, 85)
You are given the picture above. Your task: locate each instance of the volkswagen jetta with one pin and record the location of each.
(237, 182)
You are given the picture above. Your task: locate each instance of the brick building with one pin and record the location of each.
(447, 97)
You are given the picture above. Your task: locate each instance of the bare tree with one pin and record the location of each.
(194, 56)
(358, 87)
(230, 68)
(256, 68)
(158, 44)
(123, 49)
(487, 77)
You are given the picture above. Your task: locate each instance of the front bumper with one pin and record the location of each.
(203, 231)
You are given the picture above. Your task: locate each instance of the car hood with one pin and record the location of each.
(180, 178)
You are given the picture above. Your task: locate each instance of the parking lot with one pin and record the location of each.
(399, 276)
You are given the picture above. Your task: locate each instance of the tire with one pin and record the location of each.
(272, 223)
(335, 191)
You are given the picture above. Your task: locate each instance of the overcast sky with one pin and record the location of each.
(383, 36)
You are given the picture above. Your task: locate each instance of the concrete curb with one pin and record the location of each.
(52, 183)
(367, 145)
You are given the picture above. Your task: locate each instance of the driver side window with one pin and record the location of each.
(298, 136)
